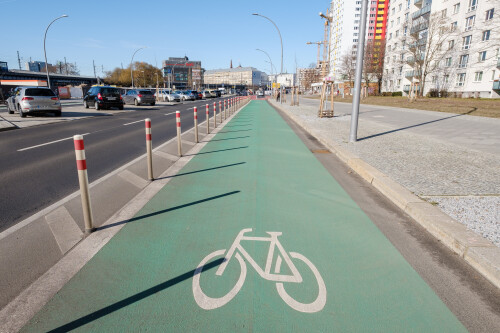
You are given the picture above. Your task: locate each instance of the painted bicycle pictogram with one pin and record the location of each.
(237, 250)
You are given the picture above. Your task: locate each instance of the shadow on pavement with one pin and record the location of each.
(166, 210)
(238, 137)
(216, 151)
(202, 170)
(132, 299)
(417, 125)
(235, 131)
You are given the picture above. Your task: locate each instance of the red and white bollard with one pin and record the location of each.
(149, 148)
(179, 143)
(208, 122)
(225, 108)
(196, 124)
(215, 115)
(83, 179)
(220, 111)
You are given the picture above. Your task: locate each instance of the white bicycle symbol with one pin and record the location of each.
(209, 303)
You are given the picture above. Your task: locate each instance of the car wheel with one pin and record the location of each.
(153, 104)
(120, 107)
(21, 113)
(58, 113)
(85, 104)
(96, 106)
(136, 102)
(8, 109)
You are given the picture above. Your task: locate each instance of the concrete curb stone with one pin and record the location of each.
(479, 252)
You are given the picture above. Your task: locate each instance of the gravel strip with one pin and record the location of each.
(428, 167)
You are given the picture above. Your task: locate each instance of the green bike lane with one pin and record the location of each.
(255, 173)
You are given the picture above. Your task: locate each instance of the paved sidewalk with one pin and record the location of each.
(451, 161)
(255, 173)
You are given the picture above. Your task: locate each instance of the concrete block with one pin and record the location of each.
(64, 228)
(486, 260)
(365, 170)
(398, 194)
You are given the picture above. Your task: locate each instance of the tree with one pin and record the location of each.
(428, 47)
(373, 67)
(144, 75)
(348, 66)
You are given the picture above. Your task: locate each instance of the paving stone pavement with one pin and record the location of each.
(462, 181)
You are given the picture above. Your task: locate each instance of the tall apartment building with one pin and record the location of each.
(377, 20)
(449, 46)
(344, 32)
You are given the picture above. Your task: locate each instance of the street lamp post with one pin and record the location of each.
(281, 40)
(44, 50)
(131, 61)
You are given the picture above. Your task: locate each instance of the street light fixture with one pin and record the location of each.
(44, 50)
(281, 41)
(131, 61)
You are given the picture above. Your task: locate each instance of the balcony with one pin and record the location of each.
(498, 63)
(406, 88)
(419, 27)
(421, 12)
(418, 3)
(411, 74)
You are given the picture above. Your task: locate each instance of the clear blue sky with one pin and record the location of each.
(109, 31)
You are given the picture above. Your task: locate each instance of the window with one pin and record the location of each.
(466, 42)
(399, 21)
(486, 35)
(434, 79)
(469, 22)
(443, 13)
(492, 75)
(478, 77)
(453, 26)
(460, 79)
(406, 17)
(472, 5)
(447, 62)
(400, 6)
(451, 44)
(482, 56)
(456, 8)
(446, 78)
(464, 59)
(489, 14)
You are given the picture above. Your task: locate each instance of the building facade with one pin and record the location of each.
(443, 47)
(182, 73)
(237, 77)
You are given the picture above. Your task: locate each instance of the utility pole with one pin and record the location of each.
(66, 65)
(19, 59)
(359, 71)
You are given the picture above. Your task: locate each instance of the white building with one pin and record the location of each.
(461, 52)
(344, 31)
(240, 76)
(285, 80)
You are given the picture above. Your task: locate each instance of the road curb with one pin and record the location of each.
(479, 252)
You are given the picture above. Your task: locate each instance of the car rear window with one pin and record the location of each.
(39, 92)
(145, 92)
(110, 91)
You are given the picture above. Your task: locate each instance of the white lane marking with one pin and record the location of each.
(138, 121)
(49, 143)
(167, 114)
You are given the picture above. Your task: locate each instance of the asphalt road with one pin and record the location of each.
(37, 164)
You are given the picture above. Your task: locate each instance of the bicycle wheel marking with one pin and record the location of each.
(210, 303)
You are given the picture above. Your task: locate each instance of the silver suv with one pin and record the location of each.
(29, 100)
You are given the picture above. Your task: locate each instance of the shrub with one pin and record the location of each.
(444, 93)
(397, 93)
(433, 93)
(386, 93)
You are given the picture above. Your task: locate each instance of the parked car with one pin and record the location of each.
(186, 96)
(29, 100)
(195, 94)
(103, 97)
(216, 93)
(169, 96)
(139, 96)
(206, 94)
